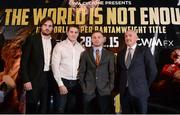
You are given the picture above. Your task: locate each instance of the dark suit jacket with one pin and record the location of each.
(140, 74)
(32, 60)
(92, 76)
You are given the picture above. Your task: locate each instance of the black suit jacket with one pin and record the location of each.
(140, 74)
(32, 60)
(101, 76)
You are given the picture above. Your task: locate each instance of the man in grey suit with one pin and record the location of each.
(96, 72)
(136, 70)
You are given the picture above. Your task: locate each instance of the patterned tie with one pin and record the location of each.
(97, 57)
(128, 59)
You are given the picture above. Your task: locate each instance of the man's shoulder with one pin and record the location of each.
(81, 46)
(62, 43)
(34, 36)
(108, 52)
(121, 51)
(59, 45)
(143, 48)
(87, 51)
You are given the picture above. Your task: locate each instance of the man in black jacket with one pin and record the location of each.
(35, 67)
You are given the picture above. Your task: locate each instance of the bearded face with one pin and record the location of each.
(47, 28)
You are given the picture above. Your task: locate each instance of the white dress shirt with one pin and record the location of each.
(65, 60)
(47, 52)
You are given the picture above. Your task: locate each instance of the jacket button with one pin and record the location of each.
(96, 77)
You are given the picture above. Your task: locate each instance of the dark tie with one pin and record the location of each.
(128, 59)
(97, 57)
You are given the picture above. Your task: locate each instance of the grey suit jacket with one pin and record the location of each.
(101, 76)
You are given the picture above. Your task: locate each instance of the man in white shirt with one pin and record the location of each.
(65, 62)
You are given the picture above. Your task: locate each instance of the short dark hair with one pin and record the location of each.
(98, 31)
(44, 20)
(74, 26)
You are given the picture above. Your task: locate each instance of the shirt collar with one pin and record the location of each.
(43, 36)
(99, 48)
(69, 42)
(133, 47)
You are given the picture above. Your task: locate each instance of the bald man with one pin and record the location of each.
(136, 70)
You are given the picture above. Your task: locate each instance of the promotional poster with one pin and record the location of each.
(156, 22)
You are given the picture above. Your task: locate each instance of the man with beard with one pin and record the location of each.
(35, 67)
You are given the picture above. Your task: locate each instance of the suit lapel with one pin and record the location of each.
(123, 56)
(102, 55)
(53, 43)
(40, 46)
(135, 54)
(92, 56)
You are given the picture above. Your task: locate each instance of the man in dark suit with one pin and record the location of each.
(96, 72)
(136, 70)
(35, 67)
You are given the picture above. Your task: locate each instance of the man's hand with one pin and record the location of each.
(63, 90)
(28, 86)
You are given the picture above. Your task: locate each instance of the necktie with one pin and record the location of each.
(128, 59)
(97, 57)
